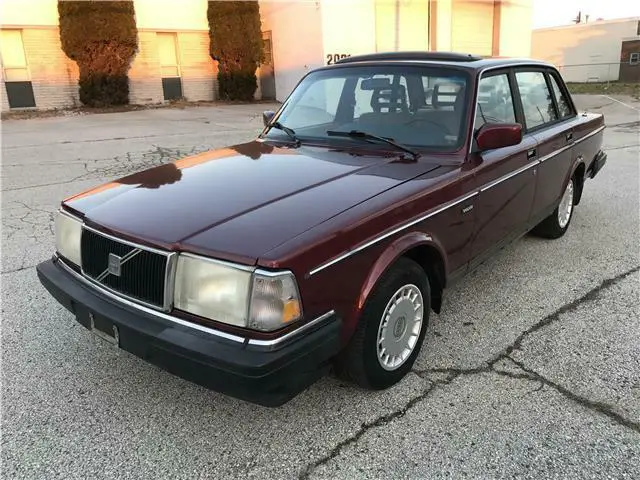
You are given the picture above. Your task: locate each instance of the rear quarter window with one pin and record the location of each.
(564, 107)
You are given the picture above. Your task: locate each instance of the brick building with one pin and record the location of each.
(173, 43)
(172, 60)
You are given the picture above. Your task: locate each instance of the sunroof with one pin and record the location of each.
(437, 56)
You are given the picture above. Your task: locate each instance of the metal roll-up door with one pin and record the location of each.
(472, 27)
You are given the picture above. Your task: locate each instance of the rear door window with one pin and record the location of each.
(537, 102)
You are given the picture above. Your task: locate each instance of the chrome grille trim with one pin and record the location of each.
(169, 273)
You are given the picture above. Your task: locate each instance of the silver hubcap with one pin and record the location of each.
(566, 206)
(400, 327)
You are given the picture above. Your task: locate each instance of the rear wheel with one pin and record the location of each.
(556, 224)
(391, 328)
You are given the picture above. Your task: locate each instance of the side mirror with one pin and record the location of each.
(267, 116)
(498, 135)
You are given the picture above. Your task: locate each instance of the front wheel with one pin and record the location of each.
(556, 224)
(391, 328)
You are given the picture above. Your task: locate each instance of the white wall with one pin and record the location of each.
(171, 15)
(348, 27)
(578, 49)
(296, 31)
(29, 12)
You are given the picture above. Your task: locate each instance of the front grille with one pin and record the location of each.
(142, 276)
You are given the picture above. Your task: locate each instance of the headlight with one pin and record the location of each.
(212, 289)
(242, 297)
(68, 233)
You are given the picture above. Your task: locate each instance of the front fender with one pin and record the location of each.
(392, 252)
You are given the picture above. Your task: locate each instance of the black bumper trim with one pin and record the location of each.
(597, 164)
(252, 373)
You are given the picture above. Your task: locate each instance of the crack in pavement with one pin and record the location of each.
(365, 427)
(19, 269)
(600, 407)
(608, 149)
(123, 165)
(452, 373)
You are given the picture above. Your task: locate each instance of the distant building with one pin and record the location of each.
(323, 31)
(173, 43)
(598, 51)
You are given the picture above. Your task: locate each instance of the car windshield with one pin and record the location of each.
(419, 106)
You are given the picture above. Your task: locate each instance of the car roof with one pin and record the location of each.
(460, 60)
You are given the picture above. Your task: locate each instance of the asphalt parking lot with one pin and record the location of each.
(531, 371)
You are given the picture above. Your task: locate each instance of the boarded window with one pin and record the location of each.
(14, 60)
(169, 65)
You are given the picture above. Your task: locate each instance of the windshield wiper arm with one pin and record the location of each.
(289, 131)
(370, 136)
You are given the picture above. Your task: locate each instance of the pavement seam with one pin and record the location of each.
(489, 367)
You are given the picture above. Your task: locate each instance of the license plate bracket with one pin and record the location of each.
(103, 328)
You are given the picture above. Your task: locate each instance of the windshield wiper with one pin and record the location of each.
(288, 131)
(370, 136)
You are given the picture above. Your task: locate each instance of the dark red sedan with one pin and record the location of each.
(327, 241)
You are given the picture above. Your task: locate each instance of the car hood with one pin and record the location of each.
(239, 202)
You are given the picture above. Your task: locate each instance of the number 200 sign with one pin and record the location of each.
(334, 57)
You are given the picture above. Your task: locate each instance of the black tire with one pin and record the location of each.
(550, 227)
(359, 361)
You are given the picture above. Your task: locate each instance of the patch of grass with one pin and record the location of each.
(604, 88)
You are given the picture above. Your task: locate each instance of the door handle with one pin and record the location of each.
(531, 153)
(569, 137)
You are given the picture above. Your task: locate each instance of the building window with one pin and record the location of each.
(634, 58)
(16, 71)
(169, 66)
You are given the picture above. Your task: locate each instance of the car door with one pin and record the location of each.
(505, 177)
(549, 117)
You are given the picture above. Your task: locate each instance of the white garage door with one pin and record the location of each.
(472, 27)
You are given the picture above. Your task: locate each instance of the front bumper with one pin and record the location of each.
(265, 375)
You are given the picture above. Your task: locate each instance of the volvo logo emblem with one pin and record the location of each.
(114, 265)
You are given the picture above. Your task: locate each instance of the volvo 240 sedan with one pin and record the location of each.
(326, 241)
